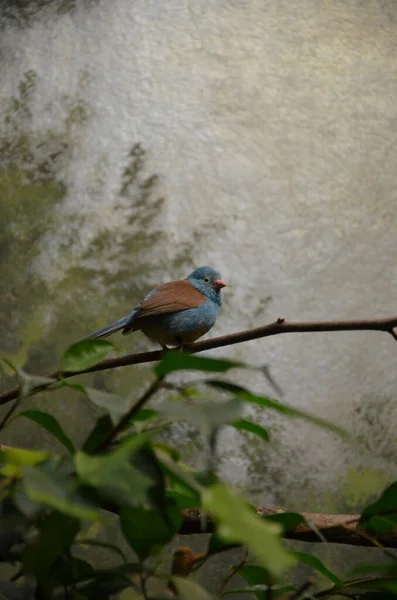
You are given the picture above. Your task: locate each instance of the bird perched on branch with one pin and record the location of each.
(175, 313)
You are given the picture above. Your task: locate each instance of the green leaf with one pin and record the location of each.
(56, 534)
(381, 516)
(255, 576)
(49, 423)
(189, 590)
(237, 522)
(115, 404)
(316, 563)
(145, 460)
(146, 414)
(246, 425)
(287, 520)
(206, 416)
(77, 387)
(104, 425)
(217, 544)
(48, 486)
(86, 542)
(184, 500)
(69, 569)
(179, 475)
(15, 458)
(146, 530)
(114, 475)
(170, 450)
(102, 584)
(85, 354)
(183, 488)
(102, 428)
(277, 591)
(282, 408)
(178, 361)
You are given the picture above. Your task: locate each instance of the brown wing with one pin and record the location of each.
(171, 297)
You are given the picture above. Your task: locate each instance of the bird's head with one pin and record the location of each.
(207, 281)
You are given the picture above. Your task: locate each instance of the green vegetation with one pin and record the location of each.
(53, 505)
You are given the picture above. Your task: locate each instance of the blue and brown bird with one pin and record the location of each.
(175, 313)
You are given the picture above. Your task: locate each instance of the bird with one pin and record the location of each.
(174, 313)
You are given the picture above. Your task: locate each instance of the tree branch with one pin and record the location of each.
(276, 328)
(338, 529)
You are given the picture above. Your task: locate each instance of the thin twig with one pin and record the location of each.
(142, 581)
(269, 592)
(9, 413)
(16, 575)
(278, 327)
(233, 571)
(126, 418)
(296, 595)
(374, 542)
(338, 590)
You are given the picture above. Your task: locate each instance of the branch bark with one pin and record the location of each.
(338, 529)
(278, 327)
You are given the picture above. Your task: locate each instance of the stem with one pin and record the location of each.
(8, 414)
(335, 590)
(126, 418)
(142, 580)
(302, 589)
(231, 574)
(278, 327)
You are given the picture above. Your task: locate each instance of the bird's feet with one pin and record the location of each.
(180, 346)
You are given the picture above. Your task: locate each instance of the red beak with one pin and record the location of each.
(219, 283)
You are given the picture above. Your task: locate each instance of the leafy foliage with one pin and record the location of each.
(51, 424)
(381, 516)
(85, 354)
(49, 503)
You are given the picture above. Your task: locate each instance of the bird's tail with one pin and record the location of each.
(108, 329)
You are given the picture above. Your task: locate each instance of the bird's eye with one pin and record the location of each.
(206, 279)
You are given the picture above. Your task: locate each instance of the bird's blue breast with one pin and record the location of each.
(185, 326)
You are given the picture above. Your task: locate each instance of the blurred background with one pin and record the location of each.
(139, 140)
